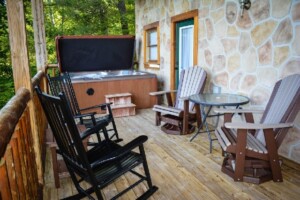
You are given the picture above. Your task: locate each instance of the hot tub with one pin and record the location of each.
(102, 65)
(109, 74)
(91, 87)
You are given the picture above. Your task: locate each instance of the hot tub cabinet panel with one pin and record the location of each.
(92, 92)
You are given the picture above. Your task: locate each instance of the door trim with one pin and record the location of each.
(174, 20)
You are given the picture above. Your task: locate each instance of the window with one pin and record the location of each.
(151, 45)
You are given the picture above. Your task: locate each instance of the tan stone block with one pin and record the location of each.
(244, 22)
(249, 61)
(219, 62)
(248, 83)
(280, 55)
(206, 2)
(284, 32)
(245, 42)
(216, 47)
(221, 79)
(185, 5)
(296, 12)
(259, 96)
(235, 81)
(290, 147)
(296, 42)
(217, 4)
(202, 30)
(231, 12)
(280, 8)
(234, 63)
(221, 29)
(203, 13)
(217, 15)
(260, 10)
(232, 31)
(229, 45)
(262, 32)
(203, 44)
(267, 76)
(292, 67)
(265, 53)
(209, 29)
(208, 57)
(295, 153)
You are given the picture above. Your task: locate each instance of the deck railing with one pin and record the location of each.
(18, 167)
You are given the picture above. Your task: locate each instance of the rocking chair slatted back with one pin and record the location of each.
(190, 84)
(64, 129)
(63, 83)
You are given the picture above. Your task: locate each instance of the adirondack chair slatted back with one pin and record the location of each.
(63, 83)
(283, 106)
(191, 82)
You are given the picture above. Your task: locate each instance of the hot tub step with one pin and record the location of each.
(118, 99)
(121, 104)
(123, 110)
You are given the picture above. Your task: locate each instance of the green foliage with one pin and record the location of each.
(64, 17)
(89, 17)
(6, 76)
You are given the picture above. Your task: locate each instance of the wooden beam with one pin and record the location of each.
(39, 34)
(20, 66)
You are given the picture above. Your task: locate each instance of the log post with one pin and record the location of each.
(20, 66)
(39, 34)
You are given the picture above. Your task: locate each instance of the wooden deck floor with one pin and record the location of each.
(183, 170)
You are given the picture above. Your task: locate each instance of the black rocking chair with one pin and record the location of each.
(100, 165)
(62, 83)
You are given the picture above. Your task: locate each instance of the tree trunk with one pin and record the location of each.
(122, 10)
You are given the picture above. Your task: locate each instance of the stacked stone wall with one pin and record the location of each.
(243, 55)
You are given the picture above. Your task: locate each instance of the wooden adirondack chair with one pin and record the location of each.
(251, 149)
(179, 117)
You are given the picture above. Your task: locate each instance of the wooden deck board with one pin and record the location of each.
(183, 169)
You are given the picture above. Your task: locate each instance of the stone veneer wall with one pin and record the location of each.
(241, 55)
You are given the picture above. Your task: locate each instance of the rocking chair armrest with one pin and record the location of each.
(85, 115)
(242, 125)
(137, 142)
(102, 106)
(226, 110)
(95, 129)
(162, 92)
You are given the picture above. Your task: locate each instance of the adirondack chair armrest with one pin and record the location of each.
(227, 110)
(162, 92)
(115, 155)
(183, 98)
(243, 125)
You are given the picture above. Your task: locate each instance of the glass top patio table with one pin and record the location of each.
(219, 100)
(209, 99)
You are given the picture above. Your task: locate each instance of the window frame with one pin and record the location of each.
(148, 29)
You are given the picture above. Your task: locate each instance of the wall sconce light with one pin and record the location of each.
(245, 4)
